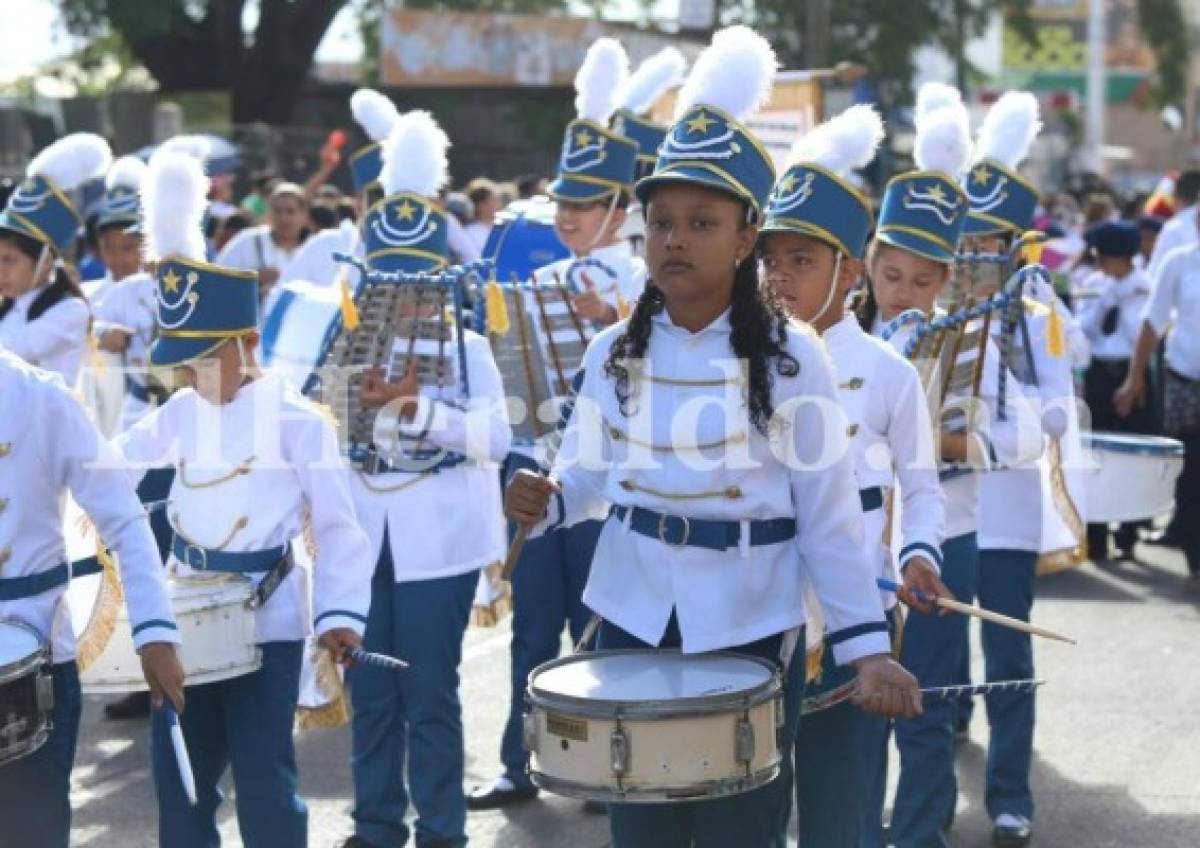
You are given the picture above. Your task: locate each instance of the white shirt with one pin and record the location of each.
(1178, 232)
(892, 439)
(55, 341)
(477, 232)
(721, 598)
(253, 249)
(1011, 508)
(449, 522)
(617, 275)
(314, 262)
(132, 305)
(47, 447)
(461, 244)
(1130, 295)
(1176, 301)
(249, 473)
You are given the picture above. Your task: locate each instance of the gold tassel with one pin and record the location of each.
(497, 309)
(493, 612)
(349, 310)
(103, 620)
(336, 713)
(1056, 344)
(1031, 247)
(812, 668)
(623, 310)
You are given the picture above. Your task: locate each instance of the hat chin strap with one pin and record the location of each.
(40, 265)
(837, 272)
(612, 207)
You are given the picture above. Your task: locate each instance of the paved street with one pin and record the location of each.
(1118, 739)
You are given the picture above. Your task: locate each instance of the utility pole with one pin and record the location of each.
(817, 27)
(1097, 87)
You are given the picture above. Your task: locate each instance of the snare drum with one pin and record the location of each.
(26, 691)
(636, 726)
(1130, 478)
(524, 240)
(216, 628)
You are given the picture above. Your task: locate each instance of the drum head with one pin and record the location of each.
(633, 677)
(16, 642)
(295, 331)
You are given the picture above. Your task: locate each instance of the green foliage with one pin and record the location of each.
(1164, 28)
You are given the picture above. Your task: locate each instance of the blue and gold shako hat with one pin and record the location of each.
(1001, 199)
(813, 197)
(405, 232)
(924, 211)
(121, 204)
(648, 135)
(39, 207)
(653, 77)
(708, 145)
(364, 166)
(377, 115)
(201, 306)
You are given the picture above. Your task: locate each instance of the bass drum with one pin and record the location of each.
(524, 240)
(1130, 478)
(303, 320)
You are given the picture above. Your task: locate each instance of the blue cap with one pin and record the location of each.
(39, 210)
(200, 307)
(1114, 238)
(814, 201)
(1001, 200)
(648, 135)
(1153, 223)
(405, 232)
(595, 162)
(710, 148)
(365, 165)
(923, 212)
(119, 207)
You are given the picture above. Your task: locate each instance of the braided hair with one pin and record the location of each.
(759, 337)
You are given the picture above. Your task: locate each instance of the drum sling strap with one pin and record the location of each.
(26, 586)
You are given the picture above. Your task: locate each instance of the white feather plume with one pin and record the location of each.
(934, 95)
(126, 172)
(173, 202)
(734, 73)
(943, 140)
(414, 156)
(843, 143)
(72, 161)
(374, 112)
(1009, 129)
(604, 71)
(196, 146)
(654, 76)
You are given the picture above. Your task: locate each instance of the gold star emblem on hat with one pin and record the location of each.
(787, 183)
(981, 175)
(405, 211)
(936, 193)
(171, 281)
(700, 123)
(583, 138)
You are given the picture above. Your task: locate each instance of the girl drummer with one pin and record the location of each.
(810, 253)
(43, 313)
(699, 549)
(920, 222)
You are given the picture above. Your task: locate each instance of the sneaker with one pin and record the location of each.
(1011, 830)
(501, 792)
(132, 706)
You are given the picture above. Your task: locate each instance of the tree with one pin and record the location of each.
(1165, 30)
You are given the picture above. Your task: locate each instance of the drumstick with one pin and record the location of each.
(181, 754)
(358, 655)
(986, 615)
(941, 693)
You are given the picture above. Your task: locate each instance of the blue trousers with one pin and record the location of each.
(829, 776)
(1005, 585)
(932, 650)
(874, 752)
(35, 791)
(414, 715)
(749, 820)
(244, 723)
(547, 589)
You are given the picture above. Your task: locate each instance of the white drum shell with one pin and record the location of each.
(678, 750)
(216, 629)
(1130, 478)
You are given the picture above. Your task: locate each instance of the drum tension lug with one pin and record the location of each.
(45, 692)
(743, 742)
(529, 733)
(618, 746)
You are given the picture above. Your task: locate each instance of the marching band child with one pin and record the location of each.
(429, 526)
(698, 553)
(256, 465)
(43, 314)
(810, 252)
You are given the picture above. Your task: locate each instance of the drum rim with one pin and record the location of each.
(1133, 443)
(26, 746)
(21, 667)
(770, 689)
(723, 788)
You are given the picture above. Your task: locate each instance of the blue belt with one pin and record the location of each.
(207, 559)
(872, 498)
(17, 588)
(143, 393)
(678, 531)
(371, 463)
